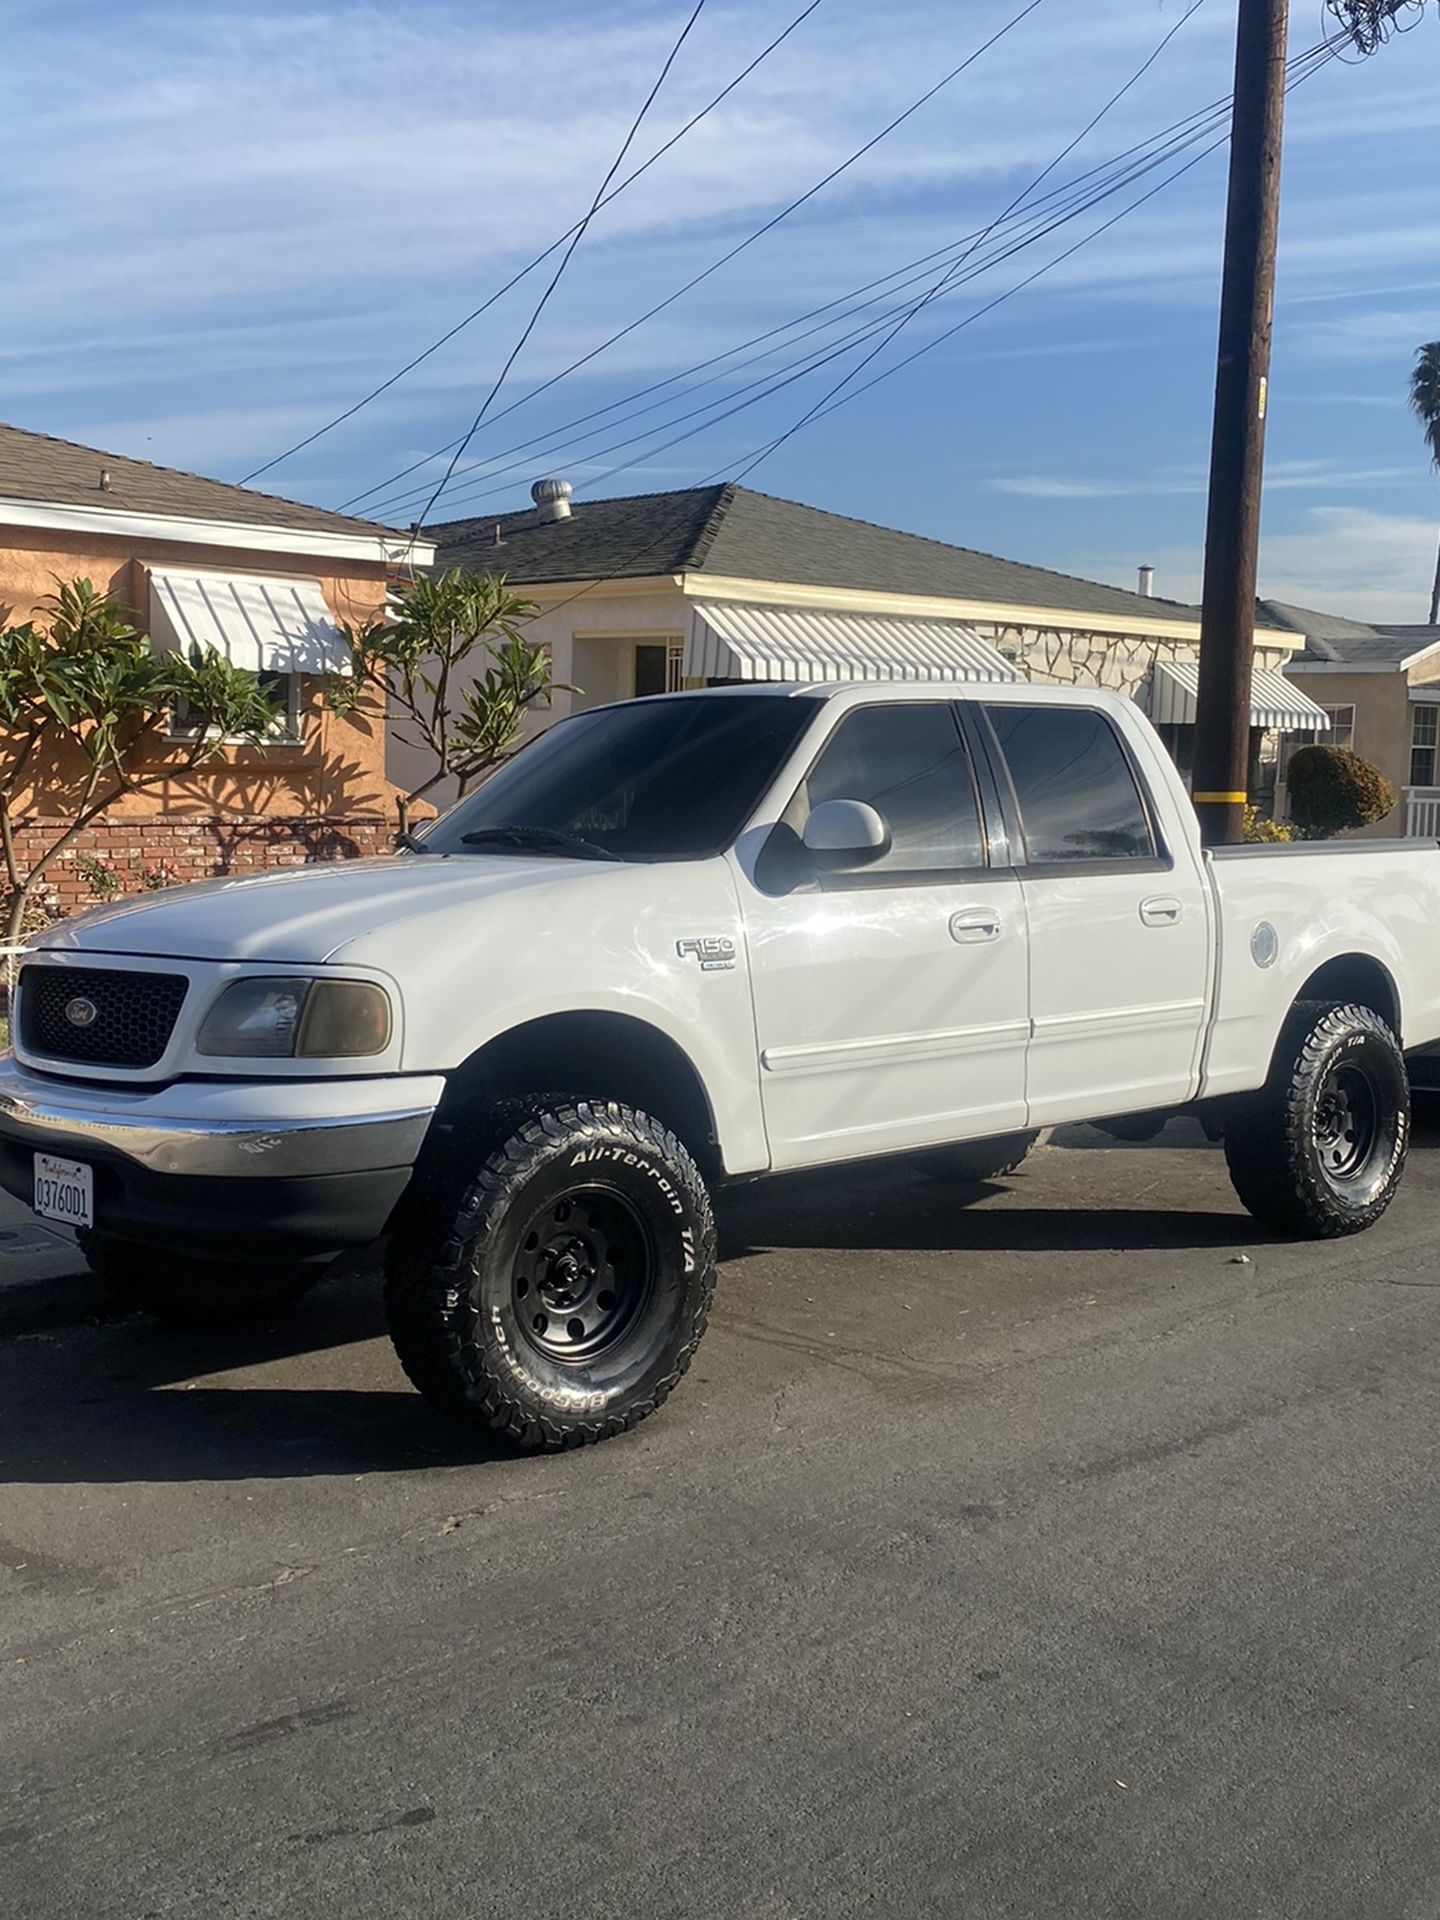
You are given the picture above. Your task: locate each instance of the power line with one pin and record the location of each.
(1312, 61)
(1302, 67)
(901, 276)
(565, 257)
(1198, 119)
(919, 306)
(777, 381)
(540, 258)
(1112, 177)
(769, 225)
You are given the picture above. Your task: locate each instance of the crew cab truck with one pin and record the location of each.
(694, 939)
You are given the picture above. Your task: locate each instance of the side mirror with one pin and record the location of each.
(845, 833)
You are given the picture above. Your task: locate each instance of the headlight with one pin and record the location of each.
(311, 1019)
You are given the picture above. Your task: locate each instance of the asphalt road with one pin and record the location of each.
(1019, 1554)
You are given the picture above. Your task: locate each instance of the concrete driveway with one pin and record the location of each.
(1007, 1553)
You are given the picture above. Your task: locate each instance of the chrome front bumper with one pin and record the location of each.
(240, 1129)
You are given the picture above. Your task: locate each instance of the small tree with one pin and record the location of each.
(452, 661)
(82, 700)
(1332, 790)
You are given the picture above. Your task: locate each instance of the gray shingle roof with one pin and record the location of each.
(34, 466)
(1332, 640)
(731, 530)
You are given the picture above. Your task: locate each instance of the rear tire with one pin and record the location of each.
(977, 1160)
(191, 1293)
(1319, 1151)
(560, 1294)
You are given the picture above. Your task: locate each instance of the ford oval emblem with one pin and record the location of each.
(81, 1012)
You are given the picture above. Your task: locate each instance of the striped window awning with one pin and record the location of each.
(738, 640)
(1170, 697)
(266, 625)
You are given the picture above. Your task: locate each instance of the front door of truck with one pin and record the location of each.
(891, 1000)
(1119, 923)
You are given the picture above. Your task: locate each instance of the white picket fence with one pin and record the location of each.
(1422, 813)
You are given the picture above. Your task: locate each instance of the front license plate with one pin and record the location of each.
(64, 1191)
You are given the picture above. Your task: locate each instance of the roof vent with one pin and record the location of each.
(1147, 581)
(104, 480)
(552, 499)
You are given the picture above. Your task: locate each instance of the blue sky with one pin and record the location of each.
(256, 213)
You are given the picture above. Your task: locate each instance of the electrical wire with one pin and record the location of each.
(1194, 127)
(540, 258)
(1303, 67)
(565, 259)
(918, 307)
(1073, 195)
(769, 225)
(901, 276)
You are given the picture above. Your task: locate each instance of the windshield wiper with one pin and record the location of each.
(412, 843)
(537, 838)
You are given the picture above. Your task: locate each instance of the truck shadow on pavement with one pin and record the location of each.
(122, 1399)
(128, 1400)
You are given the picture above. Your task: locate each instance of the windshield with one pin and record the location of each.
(669, 779)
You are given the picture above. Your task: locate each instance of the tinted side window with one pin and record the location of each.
(1078, 798)
(910, 764)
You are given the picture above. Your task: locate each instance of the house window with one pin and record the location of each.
(658, 667)
(1423, 735)
(283, 689)
(1341, 734)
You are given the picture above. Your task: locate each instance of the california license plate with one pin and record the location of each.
(64, 1191)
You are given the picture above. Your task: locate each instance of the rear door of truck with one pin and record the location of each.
(1118, 909)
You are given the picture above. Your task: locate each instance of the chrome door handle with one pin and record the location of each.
(1165, 911)
(974, 924)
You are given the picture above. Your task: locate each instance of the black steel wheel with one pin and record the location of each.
(191, 1293)
(585, 1272)
(557, 1294)
(1320, 1150)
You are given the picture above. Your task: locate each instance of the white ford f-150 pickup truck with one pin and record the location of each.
(687, 940)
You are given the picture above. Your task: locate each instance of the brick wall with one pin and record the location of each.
(197, 847)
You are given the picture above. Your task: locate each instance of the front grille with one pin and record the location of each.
(134, 1014)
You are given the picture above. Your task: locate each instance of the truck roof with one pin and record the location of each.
(1012, 692)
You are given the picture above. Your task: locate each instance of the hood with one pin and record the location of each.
(306, 915)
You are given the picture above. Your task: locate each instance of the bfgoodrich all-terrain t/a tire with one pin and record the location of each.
(562, 1295)
(1320, 1150)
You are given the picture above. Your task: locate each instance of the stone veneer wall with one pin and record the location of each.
(1073, 656)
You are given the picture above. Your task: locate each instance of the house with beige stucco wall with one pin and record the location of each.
(709, 585)
(268, 582)
(1380, 688)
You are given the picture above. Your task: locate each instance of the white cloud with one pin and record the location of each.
(1281, 476)
(1346, 560)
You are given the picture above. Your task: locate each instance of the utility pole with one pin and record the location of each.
(1237, 447)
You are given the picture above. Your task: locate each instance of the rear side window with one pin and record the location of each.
(910, 764)
(1077, 795)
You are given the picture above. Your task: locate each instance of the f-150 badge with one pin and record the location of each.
(715, 953)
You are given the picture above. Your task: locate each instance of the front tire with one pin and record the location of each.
(563, 1297)
(190, 1293)
(1320, 1150)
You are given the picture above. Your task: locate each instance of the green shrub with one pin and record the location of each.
(1259, 829)
(1333, 790)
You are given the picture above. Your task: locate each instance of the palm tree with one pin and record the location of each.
(1425, 404)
